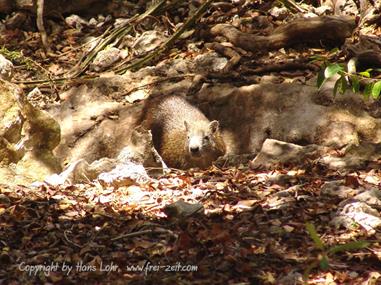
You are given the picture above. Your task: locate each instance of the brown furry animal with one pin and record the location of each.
(183, 136)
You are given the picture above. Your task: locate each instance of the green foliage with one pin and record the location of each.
(368, 90)
(325, 252)
(340, 85)
(376, 89)
(351, 81)
(17, 57)
(315, 237)
(353, 245)
(355, 83)
(330, 71)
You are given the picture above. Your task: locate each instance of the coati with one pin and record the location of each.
(181, 133)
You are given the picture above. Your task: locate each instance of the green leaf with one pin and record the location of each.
(332, 69)
(337, 83)
(343, 85)
(368, 90)
(334, 50)
(324, 263)
(320, 79)
(340, 85)
(365, 74)
(353, 245)
(355, 83)
(316, 57)
(376, 89)
(314, 236)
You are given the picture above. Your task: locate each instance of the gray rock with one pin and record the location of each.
(6, 68)
(274, 153)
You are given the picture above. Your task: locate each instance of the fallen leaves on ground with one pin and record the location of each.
(251, 231)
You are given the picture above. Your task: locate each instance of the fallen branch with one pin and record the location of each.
(145, 232)
(233, 56)
(296, 32)
(287, 66)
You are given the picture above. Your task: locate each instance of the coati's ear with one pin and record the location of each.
(213, 126)
(186, 124)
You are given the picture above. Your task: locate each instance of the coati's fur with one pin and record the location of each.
(181, 133)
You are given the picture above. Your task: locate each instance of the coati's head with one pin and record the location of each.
(201, 138)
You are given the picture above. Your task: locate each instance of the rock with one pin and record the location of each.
(107, 57)
(37, 99)
(125, 175)
(27, 138)
(360, 213)
(89, 130)
(6, 68)
(354, 158)
(81, 171)
(141, 150)
(248, 114)
(275, 153)
(209, 62)
(292, 278)
(339, 134)
(125, 170)
(338, 189)
(180, 210)
(76, 21)
(370, 197)
(346, 7)
(323, 10)
(279, 13)
(148, 41)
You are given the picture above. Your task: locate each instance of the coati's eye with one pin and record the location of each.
(206, 138)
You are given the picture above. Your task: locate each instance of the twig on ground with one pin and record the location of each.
(145, 232)
(40, 24)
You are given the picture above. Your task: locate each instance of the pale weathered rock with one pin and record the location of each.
(209, 62)
(148, 41)
(275, 153)
(360, 213)
(107, 57)
(124, 175)
(6, 68)
(323, 10)
(288, 112)
(27, 138)
(76, 21)
(354, 158)
(180, 210)
(125, 170)
(371, 197)
(338, 189)
(279, 13)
